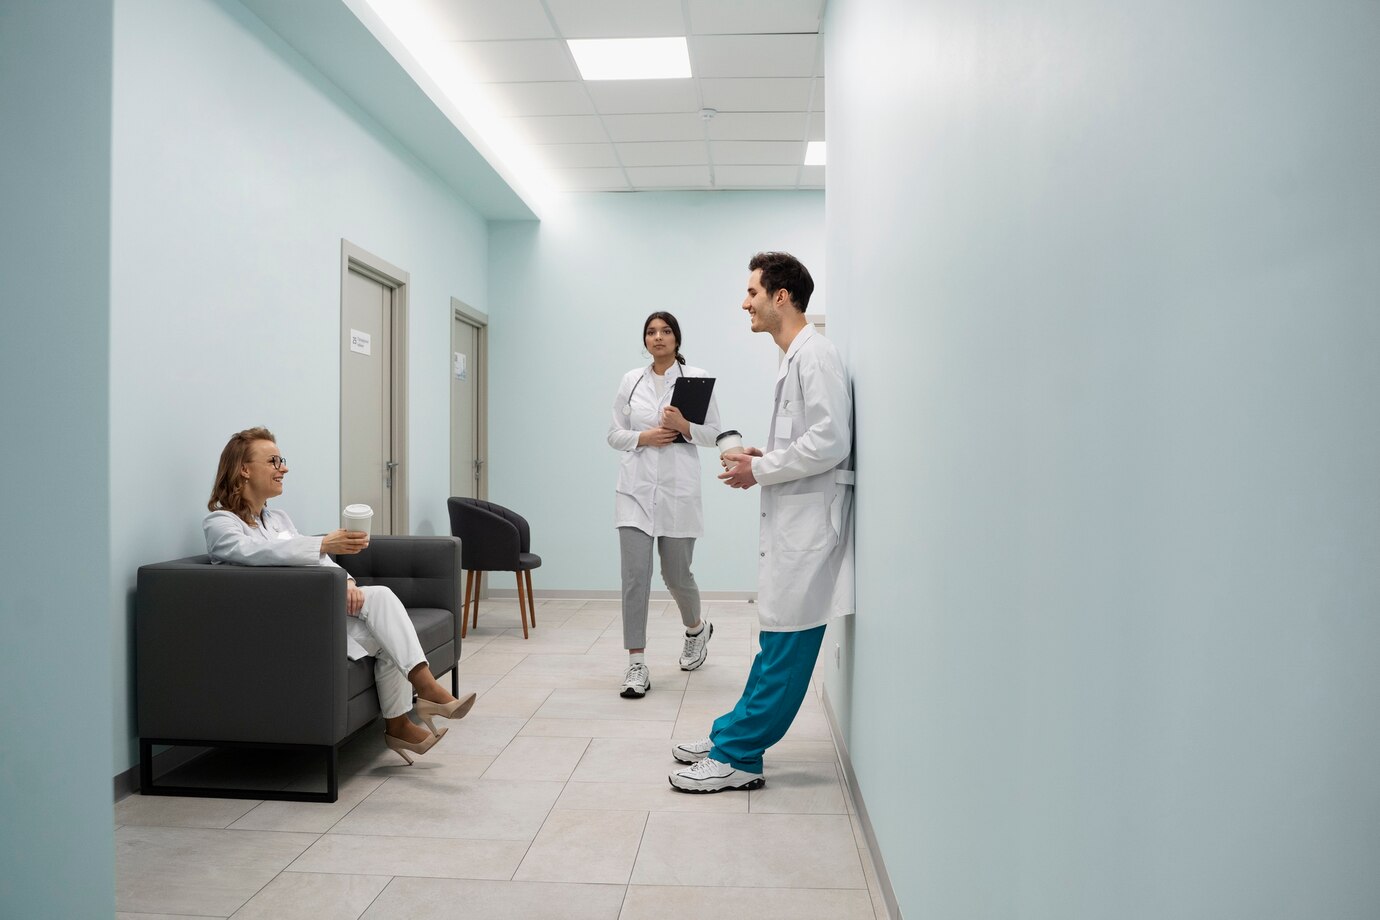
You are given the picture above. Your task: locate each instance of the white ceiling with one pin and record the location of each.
(758, 63)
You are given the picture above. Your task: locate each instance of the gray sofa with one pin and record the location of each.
(254, 657)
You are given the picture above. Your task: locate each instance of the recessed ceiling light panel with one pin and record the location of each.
(631, 58)
(814, 153)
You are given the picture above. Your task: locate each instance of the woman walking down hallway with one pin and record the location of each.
(657, 499)
(241, 529)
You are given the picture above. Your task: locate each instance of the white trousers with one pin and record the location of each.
(385, 631)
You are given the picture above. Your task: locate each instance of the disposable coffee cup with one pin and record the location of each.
(357, 517)
(729, 440)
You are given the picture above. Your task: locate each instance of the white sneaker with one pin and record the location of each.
(691, 751)
(709, 775)
(636, 682)
(696, 648)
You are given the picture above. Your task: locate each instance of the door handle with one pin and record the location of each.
(478, 464)
(389, 467)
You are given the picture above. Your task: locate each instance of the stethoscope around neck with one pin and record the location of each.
(627, 408)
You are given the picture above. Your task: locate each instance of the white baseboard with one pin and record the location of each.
(883, 878)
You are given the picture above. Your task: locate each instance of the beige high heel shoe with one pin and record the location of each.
(394, 743)
(426, 710)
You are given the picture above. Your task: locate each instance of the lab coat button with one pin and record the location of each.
(762, 554)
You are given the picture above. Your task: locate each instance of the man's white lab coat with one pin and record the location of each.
(658, 489)
(805, 570)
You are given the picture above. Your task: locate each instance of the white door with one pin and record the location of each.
(366, 397)
(466, 461)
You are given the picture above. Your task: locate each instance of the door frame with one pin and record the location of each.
(463, 312)
(354, 258)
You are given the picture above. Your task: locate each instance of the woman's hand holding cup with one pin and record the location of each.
(344, 542)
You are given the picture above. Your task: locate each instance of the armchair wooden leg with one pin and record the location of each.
(522, 609)
(478, 588)
(531, 598)
(465, 607)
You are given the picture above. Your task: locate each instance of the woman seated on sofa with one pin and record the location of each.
(243, 530)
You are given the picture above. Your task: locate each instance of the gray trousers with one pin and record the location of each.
(676, 553)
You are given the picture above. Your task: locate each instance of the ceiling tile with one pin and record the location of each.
(576, 156)
(734, 16)
(760, 95)
(559, 129)
(812, 176)
(817, 100)
(758, 126)
(750, 152)
(525, 99)
(620, 97)
(618, 18)
(515, 62)
(663, 153)
(669, 176)
(755, 176)
(714, 56)
(816, 127)
(676, 126)
(584, 180)
(484, 20)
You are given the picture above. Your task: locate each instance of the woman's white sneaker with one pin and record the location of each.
(696, 648)
(636, 682)
(691, 751)
(708, 775)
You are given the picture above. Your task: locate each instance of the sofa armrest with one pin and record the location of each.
(241, 653)
(421, 571)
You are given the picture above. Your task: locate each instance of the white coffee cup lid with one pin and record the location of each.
(358, 511)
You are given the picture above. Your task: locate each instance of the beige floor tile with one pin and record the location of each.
(474, 682)
(474, 643)
(750, 851)
(645, 902)
(546, 641)
(720, 672)
(122, 915)
(510, 702)
(570, 604)
(528, 758)
(596, 728)
(650, 796)
(585, 672)
(584, 846)
(807, 751)
(309, 817)
(488, 661)
(434, 805)
(425, 857)
(808, 726)
(302, 896)
(625, 760)
(180, 811)
(801, 789)
(476, 735)
(656, 706)
(180, 870)
(612, 606)
(595, 619)
(447, 899)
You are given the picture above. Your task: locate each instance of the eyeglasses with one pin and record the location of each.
(276, 462)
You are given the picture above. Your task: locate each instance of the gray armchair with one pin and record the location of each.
(254, 656)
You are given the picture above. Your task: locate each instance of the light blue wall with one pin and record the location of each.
(237, 172)
(56, 851)
(1114, 320)
(573, 292)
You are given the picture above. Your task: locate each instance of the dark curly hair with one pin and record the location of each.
(783, 270)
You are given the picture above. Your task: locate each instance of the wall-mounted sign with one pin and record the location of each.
(461, 370)
(360, 342)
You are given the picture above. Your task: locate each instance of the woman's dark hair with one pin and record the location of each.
(783, 270)
(669, 320)
(227, 492)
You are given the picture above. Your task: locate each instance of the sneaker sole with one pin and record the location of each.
(757, 783)
(628, 693)
(704, 657)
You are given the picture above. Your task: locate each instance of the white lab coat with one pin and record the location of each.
(805, 569)
(277, 542)
(658, 489)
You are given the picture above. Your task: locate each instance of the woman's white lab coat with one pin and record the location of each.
(805, 570)
(658, 489)
(276, 542)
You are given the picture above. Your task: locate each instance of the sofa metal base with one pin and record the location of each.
(329, 753)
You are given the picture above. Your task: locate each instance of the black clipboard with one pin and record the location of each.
(691, 396)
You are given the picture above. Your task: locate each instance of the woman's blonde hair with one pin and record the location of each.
(227, 492)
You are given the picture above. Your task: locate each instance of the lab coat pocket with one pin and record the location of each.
(784, 431)
(627, 474)
(802, 522)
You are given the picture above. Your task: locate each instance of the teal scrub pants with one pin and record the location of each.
(776, 686)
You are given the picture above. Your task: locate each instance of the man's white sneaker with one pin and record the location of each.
(636, 682)
(709, 775)
(696, 648)
(691, 751)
